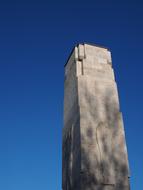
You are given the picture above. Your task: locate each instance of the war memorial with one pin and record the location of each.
(94, 153)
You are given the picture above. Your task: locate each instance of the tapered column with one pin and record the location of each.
(94, 147)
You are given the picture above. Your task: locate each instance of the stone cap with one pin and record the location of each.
(91, 44)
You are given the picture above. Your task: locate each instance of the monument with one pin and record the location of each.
(94, 147)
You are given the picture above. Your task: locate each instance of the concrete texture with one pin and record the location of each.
(94, 147)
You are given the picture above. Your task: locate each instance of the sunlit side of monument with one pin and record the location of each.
(94, 147)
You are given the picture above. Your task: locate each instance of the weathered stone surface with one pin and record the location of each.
(94, 147)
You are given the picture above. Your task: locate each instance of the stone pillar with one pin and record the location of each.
(94, 147)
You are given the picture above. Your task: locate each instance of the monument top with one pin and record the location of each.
(84, 50)
(89, 44)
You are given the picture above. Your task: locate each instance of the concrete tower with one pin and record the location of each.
(94, 147)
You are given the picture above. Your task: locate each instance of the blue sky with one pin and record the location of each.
(36, 38)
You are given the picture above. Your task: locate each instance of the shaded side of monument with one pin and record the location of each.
(94, 153)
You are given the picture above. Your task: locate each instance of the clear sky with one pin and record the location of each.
(36, 38)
